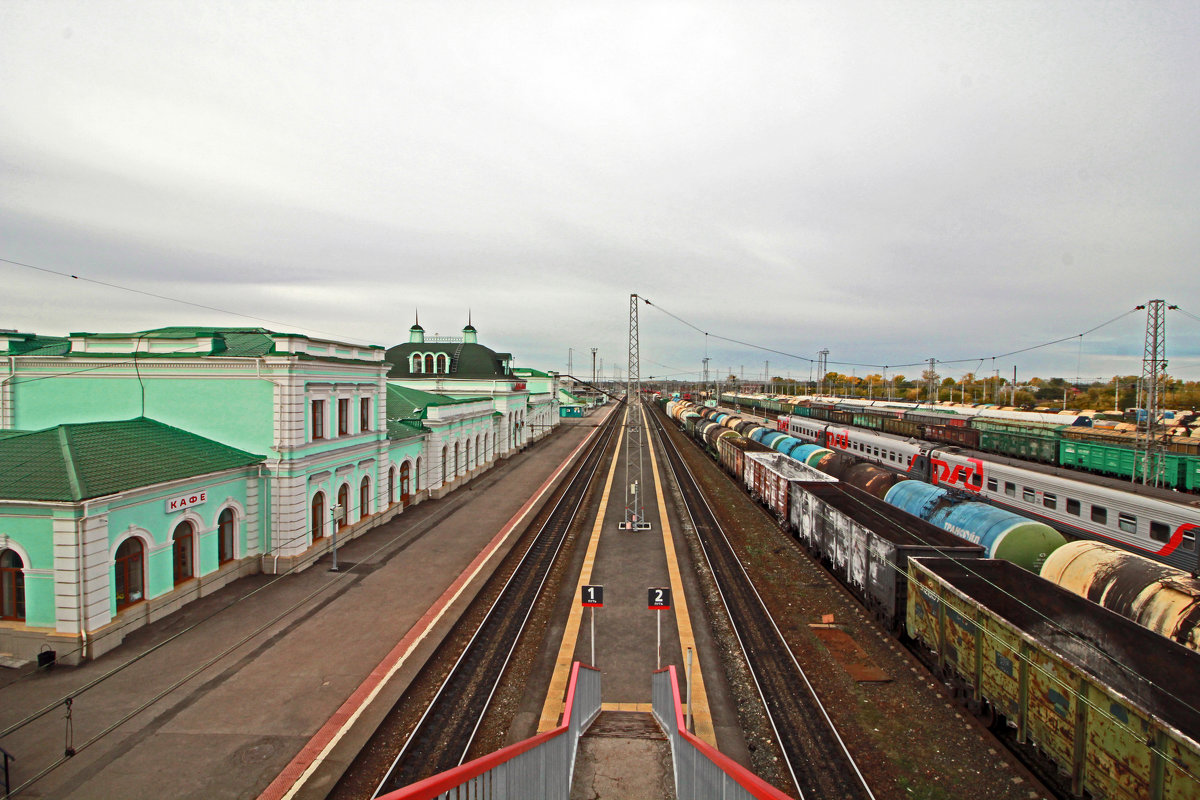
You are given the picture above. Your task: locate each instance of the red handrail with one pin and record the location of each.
(744, 777)
(438, 784)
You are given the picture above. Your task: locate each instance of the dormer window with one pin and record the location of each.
(429, 363)
(441, 364)
(416, 367)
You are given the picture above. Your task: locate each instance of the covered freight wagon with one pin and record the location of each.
(731, 452)
(867, 542)
(1106, 700)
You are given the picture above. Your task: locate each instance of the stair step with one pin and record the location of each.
(626, 725)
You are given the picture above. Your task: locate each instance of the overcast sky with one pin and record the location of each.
(892, 181)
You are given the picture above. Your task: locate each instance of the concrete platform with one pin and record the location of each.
(268, 673)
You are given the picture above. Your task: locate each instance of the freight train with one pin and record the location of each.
(1092, 700)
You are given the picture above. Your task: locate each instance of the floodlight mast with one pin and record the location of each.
(634, 518)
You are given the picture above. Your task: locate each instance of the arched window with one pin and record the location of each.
(429, 363)
(456, 459)
(416, 367)
(478, 453)
(344, 502)
(441, 363)
(443, 463)
(184, 548)
(364, 498)
(129, 579)
(318, 516)
(225, 548)
(417, 476)
(392, 485)
(405, 483)
(12, 585)
(468, 455)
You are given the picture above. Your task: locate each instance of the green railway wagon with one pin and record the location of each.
(1027, 443)
(1191, 473)
(1120, 462)
(1109, 709)
(864, 419)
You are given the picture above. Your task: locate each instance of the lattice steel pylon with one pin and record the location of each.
(1152, 388)
(634, 518)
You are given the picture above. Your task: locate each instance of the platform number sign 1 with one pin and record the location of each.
(592, 597)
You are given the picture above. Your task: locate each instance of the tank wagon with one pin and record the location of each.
(1100, 698)
(1003, 534)
(1154, 595)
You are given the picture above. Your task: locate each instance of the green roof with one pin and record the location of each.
(30, 344)
(92, 459)
(463, 360)
(531, 373)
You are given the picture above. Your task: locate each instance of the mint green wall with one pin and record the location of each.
(201, 406)
(33, 531)
(31, 527)
(148, 512)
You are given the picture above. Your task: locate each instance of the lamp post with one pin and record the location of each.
(337, 515)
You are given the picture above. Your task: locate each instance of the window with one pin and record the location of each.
(468, 455)
(993, 485)
(416, 365)
(1160, 532)
(429, 363)
(456, 459)
(1073, 507)
(225, 536)
(343, 416)
(1028, 495)
(443, 463)
(12, 585)
(364, 498)
(1100, 515)
(344, 502)
(184, 539)
(405, 482)
(1127, 522)
(128, 578)
(318, 516)
(1050, 500)
(364, 414)
(417, 476)
(1188, 542)
(1010, 489)
(441, 363)
(391, 485)
(318, 419)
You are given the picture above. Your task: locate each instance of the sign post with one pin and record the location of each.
(593, 597)
(659, 600)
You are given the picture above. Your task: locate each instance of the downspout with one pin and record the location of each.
(83, 637)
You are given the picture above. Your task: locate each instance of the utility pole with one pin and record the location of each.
(571, 362)
(705, 384)
(634, 518)
(594, 349)
(822, 367)
(1154, 375)
(932, 385)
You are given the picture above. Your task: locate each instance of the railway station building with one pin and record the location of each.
(140, 471)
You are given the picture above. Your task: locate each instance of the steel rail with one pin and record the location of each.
(473, 679)
(808, 753)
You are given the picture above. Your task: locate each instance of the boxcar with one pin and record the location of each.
(953, 434)
(731, 450)
(867, 542)
(767, 475)
(1103, 698)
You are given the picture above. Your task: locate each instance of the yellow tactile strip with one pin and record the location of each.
(555, 697)
(701, 712)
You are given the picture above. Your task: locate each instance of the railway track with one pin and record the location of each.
(443, 736)
(817, 759)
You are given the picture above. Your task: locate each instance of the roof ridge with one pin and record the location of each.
(64, 443)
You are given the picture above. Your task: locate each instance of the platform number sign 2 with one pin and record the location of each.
(593, 597)
(659, 598)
